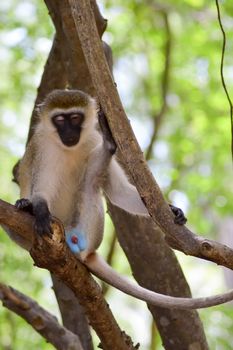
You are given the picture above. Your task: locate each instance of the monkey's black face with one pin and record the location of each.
(68, 126)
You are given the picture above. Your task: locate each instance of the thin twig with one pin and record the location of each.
(222, 73)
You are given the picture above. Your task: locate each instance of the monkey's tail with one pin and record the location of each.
(98, 266)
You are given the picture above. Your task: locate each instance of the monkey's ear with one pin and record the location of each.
(121, 193)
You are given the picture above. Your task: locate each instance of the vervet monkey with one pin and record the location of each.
(67, 165)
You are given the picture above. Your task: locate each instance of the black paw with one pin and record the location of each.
(179, 219)
(43, 218)
(24, 204)
(107, 134)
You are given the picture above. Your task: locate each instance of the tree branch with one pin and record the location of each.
(40, 319)
(222, 72)
(54, 255)
(179, 237)
(72, 313)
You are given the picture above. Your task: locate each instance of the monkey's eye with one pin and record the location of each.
(76, 118)
(59, 119)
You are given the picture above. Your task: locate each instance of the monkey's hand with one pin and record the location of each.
(24, 204)
(107, 134)
(179, 219)
(41, 212)
(76, 241)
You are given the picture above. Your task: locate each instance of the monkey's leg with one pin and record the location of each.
(87, 235)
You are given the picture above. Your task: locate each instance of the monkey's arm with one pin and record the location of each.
(120, 192)
(34, 190)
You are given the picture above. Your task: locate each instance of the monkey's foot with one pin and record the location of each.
(76, 241)
(179, 219)
(43, 225)
(24, 204)
(43, 218)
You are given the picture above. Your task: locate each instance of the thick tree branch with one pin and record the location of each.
(54, 255)
(72, 313)
(40, 319)
(179, 237)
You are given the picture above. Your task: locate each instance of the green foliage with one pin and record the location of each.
(191, 154)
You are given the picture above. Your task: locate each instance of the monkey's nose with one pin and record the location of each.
(71, 139)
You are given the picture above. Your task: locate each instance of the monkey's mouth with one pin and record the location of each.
(71, 141)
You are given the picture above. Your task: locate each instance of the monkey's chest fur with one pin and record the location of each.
(59, 175)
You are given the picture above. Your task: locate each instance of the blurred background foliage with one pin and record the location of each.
(167, 68)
